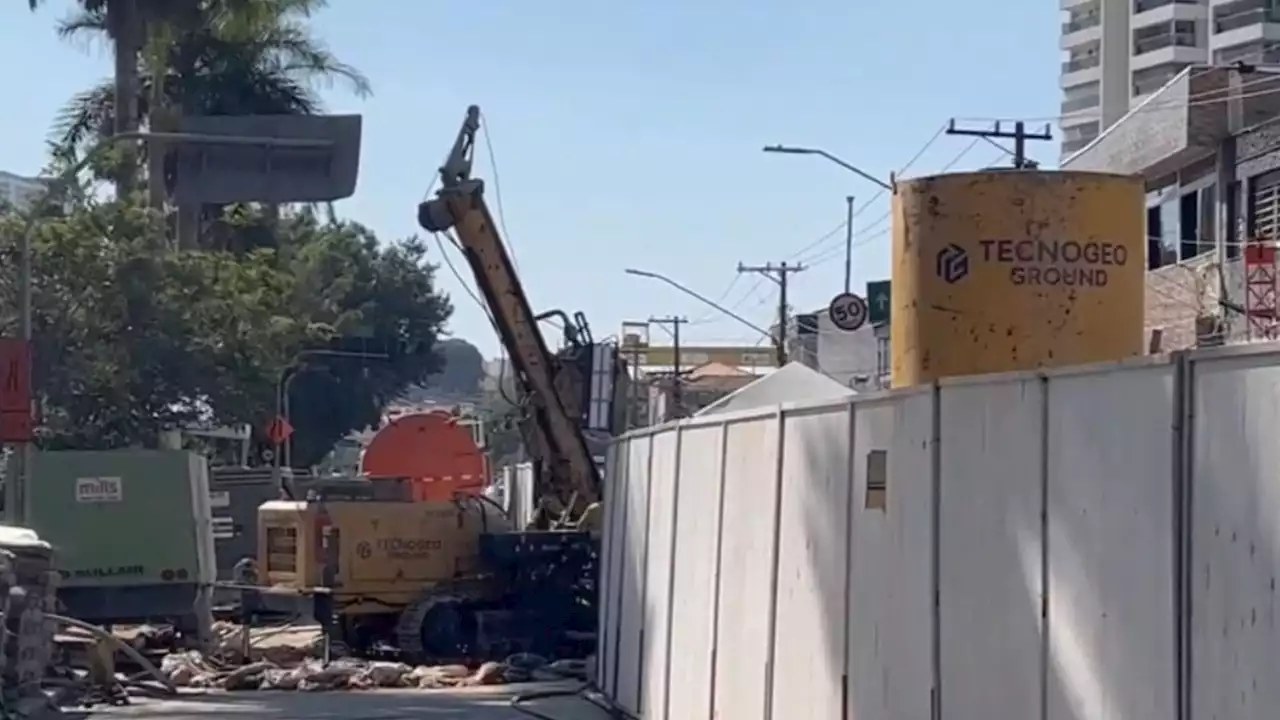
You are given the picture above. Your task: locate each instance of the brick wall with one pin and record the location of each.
(1177, 294)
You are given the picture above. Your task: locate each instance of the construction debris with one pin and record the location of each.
(191, 669)
(288, 658)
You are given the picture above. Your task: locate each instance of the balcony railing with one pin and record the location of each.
(1084, 103)
(1083, 23)
(1227, 23)
(1084, 63)
(1140, 6)
(1151, 44)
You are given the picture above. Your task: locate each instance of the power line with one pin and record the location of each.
(497, 191)
(719, 301)
(827, 253)
(879, 193)
(1203, 98)
(780, 274)
(1019, 135)
(677, 396)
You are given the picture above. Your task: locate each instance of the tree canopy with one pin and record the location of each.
(232, 58)
(462, 370)
(130, 341)
(133, 336)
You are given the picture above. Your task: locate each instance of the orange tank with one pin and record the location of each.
(435, 450)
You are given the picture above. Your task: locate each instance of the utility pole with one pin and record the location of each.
(848, 246)
(780, 274)
(1019, 135)
(634, 419)
(674, 323)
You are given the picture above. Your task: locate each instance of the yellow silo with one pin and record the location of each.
(1013, 270)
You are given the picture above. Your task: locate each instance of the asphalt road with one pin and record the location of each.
(470, 704)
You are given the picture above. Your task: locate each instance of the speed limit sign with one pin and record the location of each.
(847, 311)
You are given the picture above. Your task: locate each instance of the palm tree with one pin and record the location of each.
(229, 57)
(256, 57)
(123, 22)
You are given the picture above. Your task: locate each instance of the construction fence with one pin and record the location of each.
(1101, 542)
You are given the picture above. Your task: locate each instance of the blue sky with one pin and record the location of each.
(629, 134)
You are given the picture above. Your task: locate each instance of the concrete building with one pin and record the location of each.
(1208, 144)
(857, 360)
(1117, 53)
(700, 387)
(19, 192)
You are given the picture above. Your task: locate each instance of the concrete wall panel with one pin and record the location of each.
(1111, 510)
(632, 581)
(890, 598)
(664, 479)
(1235, 537)
(746, 563)
(694, 579)
(809, 633)
(989, 549)
(611, 552)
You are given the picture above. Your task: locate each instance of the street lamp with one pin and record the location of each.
(290, 371)
(790, 150)
(848, 234)
(701, 298)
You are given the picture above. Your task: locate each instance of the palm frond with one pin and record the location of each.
(232, 57)
(88, 116)
(81, 23)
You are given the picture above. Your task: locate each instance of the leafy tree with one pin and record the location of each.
(129, 341)
(132, 337)
(375, 300)
(463, 370)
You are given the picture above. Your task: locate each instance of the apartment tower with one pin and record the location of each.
(1118, 52)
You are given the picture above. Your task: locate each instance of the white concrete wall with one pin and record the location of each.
(1101, 542)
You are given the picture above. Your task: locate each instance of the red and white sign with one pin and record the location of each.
(16, 424)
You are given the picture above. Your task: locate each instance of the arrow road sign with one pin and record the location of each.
(879, 301)
(847, 311)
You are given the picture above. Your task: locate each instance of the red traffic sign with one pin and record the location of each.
(16, 423)
(279, 431)
(15, 375)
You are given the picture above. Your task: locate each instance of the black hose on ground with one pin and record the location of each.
(594, 695)
(518, 702)
(586, 691)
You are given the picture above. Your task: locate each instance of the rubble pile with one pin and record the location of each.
(28, 586)
(288, 659)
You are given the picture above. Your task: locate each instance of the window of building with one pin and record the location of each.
(1264, 208)
(1188, 225)
(1170, 230)
(1155, 252)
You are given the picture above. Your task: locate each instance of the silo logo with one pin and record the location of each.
(953, 263)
